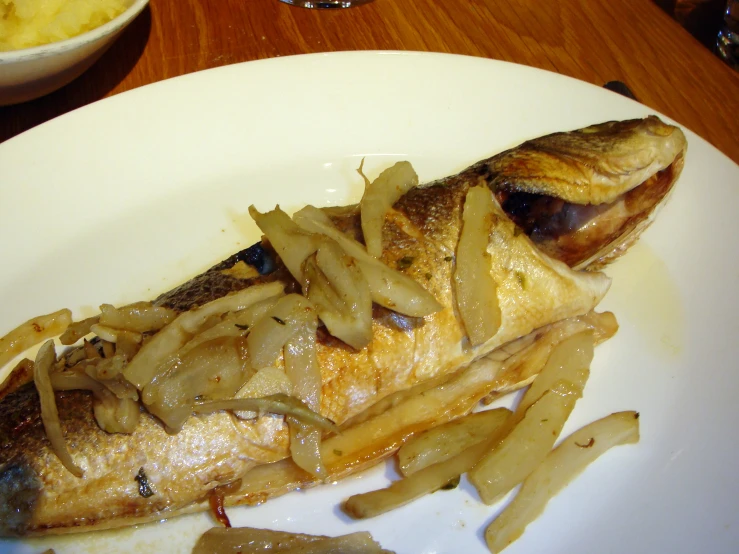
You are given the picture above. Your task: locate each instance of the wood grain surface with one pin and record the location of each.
(593, 40)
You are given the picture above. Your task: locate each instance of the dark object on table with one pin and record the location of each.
(620, 88)
(701, 18)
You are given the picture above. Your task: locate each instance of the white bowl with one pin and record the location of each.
(32, 72)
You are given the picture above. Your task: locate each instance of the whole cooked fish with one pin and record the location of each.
(574, 199)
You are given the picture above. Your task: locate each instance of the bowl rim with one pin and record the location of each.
(34, 52)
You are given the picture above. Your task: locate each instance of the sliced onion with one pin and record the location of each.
(33, 332)
(291, 243)
(78, 329)
(269, 334)
(301, 367)
(145, 366)
(474, 286)
(49, 413)
(141, 317)
(233, 325)
(109, 373)
(388, 288)
(111, 334)
(128, 344)
(275, 404)
(115, 415)
(341, 294)
(74, 380)
(379, 197)
(214, 369)
(266, 382)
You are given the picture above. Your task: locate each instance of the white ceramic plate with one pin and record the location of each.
(127, 197)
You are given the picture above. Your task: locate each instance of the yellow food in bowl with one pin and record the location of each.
(27, 23)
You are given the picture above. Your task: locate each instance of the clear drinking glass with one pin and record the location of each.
(727, 43)
(326, 3)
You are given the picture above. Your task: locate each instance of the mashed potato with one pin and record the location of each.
(26, 23)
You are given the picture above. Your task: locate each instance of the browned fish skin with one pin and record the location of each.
(38, 495)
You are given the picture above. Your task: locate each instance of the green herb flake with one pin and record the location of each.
(428, 276)
(242, 327)
(278, 320)
(338, 452)
(405, 262)
(448, 258)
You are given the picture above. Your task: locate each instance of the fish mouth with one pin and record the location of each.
(581, 234)
(587, 231)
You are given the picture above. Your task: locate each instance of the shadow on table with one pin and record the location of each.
(92, 85)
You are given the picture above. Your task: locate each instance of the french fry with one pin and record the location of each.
(447, 440)
(560, 467)
(528, 443)
(247, 540)
(571, 356)
(539, 419)
(424, 481)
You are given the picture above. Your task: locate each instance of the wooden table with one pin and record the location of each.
(596, 41)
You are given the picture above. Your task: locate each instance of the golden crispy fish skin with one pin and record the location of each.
(38, 495)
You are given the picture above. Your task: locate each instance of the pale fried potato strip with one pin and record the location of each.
(524, 358)
(447, 440)
(539, 419)
(366, 443)
(424, 481)
(560, 467)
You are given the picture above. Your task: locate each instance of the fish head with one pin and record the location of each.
(585, 196)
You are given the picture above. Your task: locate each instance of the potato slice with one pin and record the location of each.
(560, 467)
(567, 359)
(538, 419)
(424, 481)
(448, 440)
(246, 540)
(528, 443)
(364, 444)
(475, 289)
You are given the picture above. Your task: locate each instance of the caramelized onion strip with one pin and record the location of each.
(33, 332)
(141, 317)
(275, 404)
(379, 197)
(474, 286)
(301, 367)
(291, 243)
(145, 366)
(49, 414)
(389, 288)
(268, 336)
